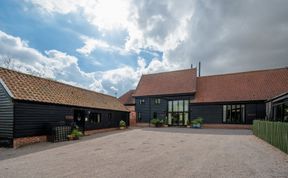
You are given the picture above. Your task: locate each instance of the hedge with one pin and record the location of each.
(275, 133)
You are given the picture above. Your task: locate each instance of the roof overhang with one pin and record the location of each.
(6, 88)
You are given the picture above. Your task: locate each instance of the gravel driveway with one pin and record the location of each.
(155, 152)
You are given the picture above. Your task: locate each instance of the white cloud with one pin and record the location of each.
(225, 36)
(60, 66)
(104, 14)
(186, 31)
(91, 44)
(55, 64)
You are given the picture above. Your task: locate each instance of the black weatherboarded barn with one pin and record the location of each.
(236, 98)
(29, 104)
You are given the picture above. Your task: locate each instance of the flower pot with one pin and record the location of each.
(122, 128)
(158, 125)
(196, 125)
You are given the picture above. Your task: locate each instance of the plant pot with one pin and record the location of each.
(196, 126)
(158, 125)
(122, 128)
(188, 126)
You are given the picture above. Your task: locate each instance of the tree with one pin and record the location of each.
(7, 62)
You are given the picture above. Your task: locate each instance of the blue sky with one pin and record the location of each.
(107, 45)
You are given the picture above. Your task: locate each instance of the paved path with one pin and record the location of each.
(155, 152)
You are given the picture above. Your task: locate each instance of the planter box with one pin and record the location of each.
(122, 128)
(198, 126)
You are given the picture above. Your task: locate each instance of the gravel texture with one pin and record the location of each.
(155, 152)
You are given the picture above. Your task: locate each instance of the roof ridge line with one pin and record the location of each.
(181, 70)
(243, 72)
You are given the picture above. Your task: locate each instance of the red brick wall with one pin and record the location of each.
(227, 126)
(132, 118)
(18, 142)
(132, 115)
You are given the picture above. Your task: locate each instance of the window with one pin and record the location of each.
(95, 118)
(175, 106)
(234, 114)
(169, 106)
(141, 101)
(178, 112)
(157, 101)
(281, 112)
(285, 110)
(154, 115)
(180, 105)
(186, 105)
(109, 115)
(139, 117)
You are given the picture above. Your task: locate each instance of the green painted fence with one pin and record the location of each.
(275, 133)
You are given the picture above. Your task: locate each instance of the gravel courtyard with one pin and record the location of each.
(155, 152)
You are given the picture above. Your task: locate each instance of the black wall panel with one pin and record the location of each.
(210, 113)
(34, 118)
(6, 114)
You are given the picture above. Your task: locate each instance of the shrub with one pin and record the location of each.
(122, 123)
(157, 122)
(76, 134)
(199, 120)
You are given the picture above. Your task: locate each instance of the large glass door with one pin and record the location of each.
(178, 112)
(234, 114)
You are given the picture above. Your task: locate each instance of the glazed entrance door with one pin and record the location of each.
(79, 119)
(177, 119)
(178, 112)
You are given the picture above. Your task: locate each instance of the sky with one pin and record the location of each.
(106, 45)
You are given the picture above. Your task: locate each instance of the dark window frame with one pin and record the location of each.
(176, 111)
(141, 101)
(232, 111)
(110, 115)
(95, 118)
(157, 101)
(139, 116)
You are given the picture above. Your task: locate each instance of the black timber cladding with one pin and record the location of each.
(6, 114)
(33, 118)
(213, 113)
(149, 107)
(210, 113)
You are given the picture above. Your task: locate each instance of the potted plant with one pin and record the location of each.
(157, 122)
(122, 124)
(75, 134)
(197, 123)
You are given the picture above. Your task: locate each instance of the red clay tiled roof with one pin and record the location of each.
(31, 88)
(175, 82)
(245, 86)
(127, 98)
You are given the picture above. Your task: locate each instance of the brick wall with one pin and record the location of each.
(227, 126)
(91, 132)
(132, 115)
(18, 142)
(132, 118)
